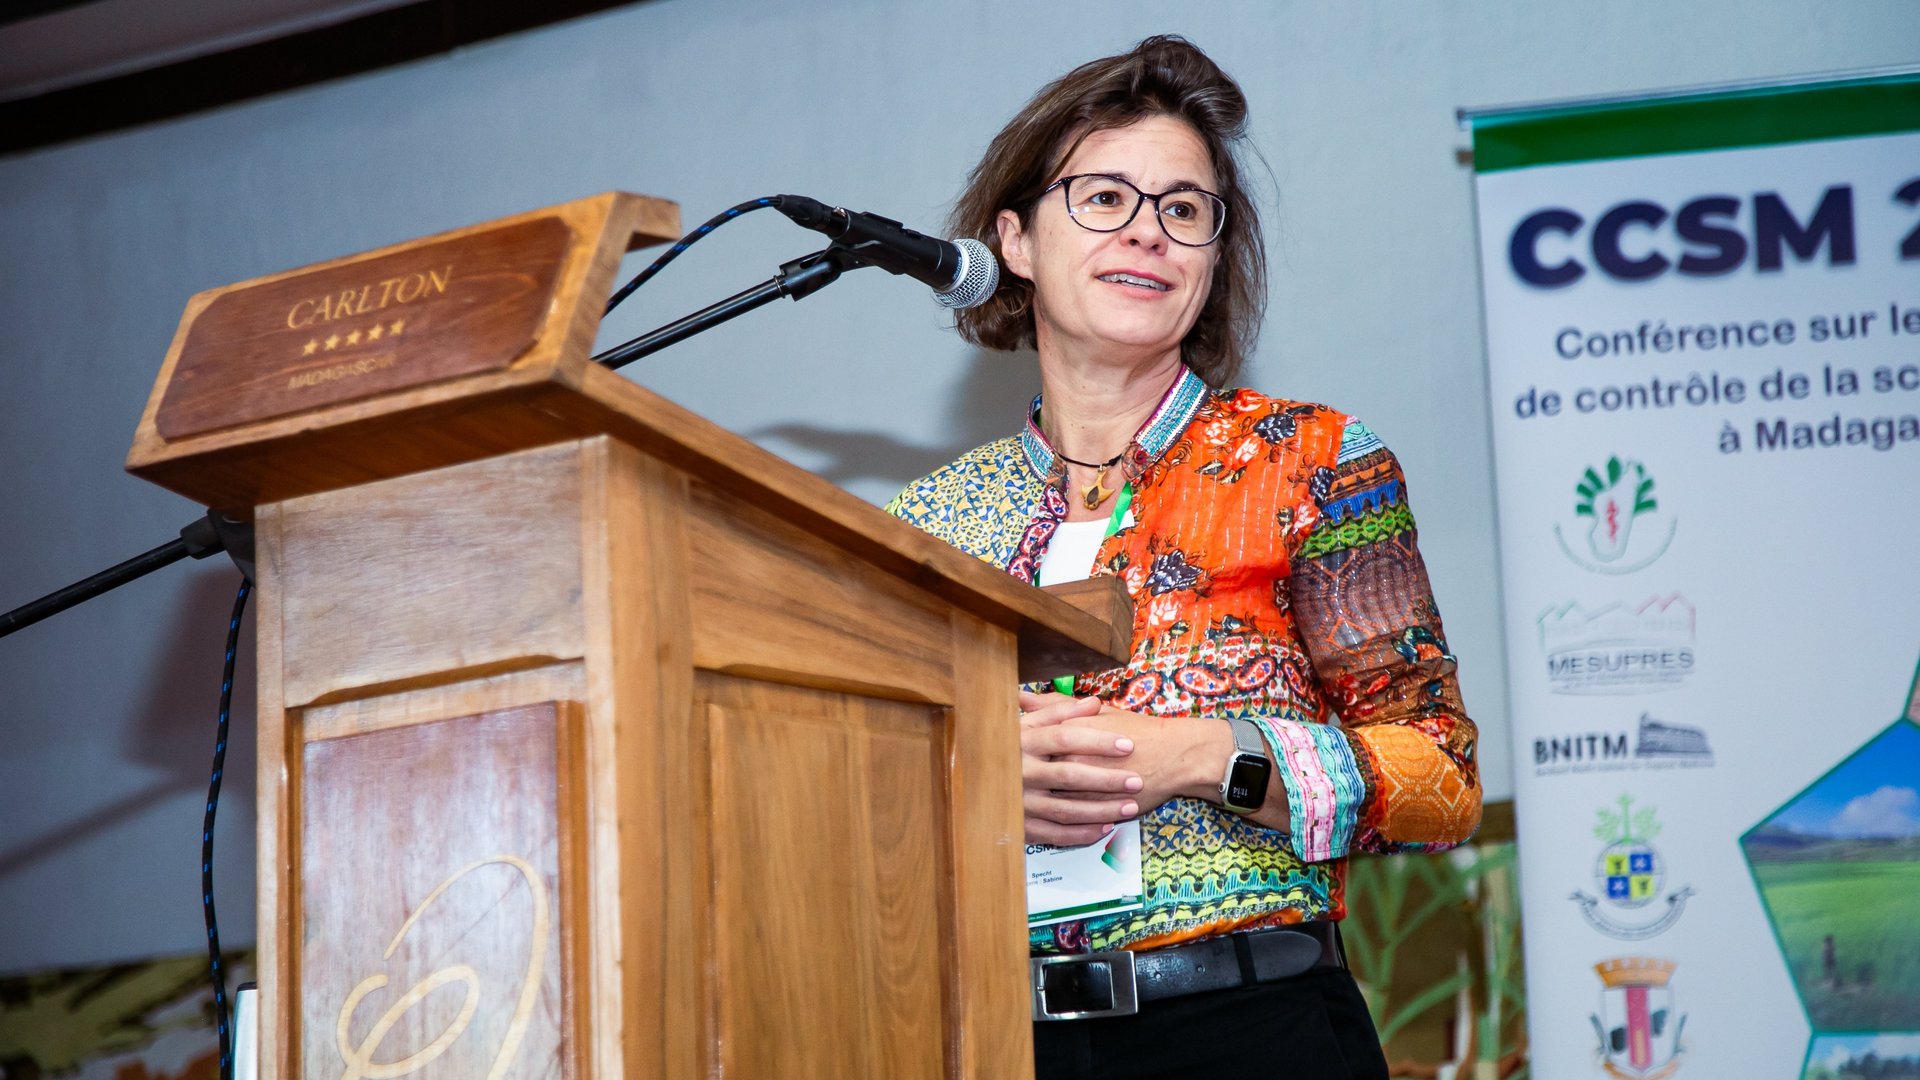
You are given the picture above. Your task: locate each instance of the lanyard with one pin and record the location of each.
(1064, 683)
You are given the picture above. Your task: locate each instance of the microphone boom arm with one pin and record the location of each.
(797, 279)
(209, 535)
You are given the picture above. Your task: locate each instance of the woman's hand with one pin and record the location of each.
(1174, 756)
(1182, 756)
(1076, 780)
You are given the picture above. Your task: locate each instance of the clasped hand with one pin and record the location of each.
(1086, 766)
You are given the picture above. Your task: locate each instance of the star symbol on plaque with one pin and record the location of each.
(396, 326)
(333, 340)
(374, 332)
(353, 338)
(309, 348)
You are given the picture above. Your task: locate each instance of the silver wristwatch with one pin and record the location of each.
(1244, 787)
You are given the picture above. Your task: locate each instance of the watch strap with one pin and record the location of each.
(1246, 737)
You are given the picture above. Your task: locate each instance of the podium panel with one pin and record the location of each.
(431, 860)
(595, 741)
(571, 771)
(832, 859)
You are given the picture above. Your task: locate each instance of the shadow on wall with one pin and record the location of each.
(172, 734)
(992, 397)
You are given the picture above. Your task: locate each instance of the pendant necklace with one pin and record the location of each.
(1098, 491)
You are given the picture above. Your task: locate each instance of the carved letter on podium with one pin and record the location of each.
(430, 868)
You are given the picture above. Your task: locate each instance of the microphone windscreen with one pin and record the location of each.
(977, 277)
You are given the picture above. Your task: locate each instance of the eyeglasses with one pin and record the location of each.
(1102, 203)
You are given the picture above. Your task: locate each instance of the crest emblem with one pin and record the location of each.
(1628, 875)
(1639, 1028)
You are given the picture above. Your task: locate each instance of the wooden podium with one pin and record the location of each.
(594, 740)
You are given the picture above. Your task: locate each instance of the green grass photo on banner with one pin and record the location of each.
(1880, 1055)
(1838, 869)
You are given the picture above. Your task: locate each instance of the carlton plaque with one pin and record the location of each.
(353, 330)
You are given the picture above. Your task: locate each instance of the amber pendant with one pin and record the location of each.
(1097, 492)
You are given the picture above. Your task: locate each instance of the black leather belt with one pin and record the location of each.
(1082, 985)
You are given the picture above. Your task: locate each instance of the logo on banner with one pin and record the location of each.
(1628, 876)
(1618, 649)
(1639, 1028)
(1617, 525)
(1655, 744)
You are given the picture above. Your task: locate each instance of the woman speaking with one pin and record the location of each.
(1289, 698)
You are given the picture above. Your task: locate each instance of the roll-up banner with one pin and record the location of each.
(1703, 346)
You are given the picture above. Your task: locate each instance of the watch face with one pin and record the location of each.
(1247, 782)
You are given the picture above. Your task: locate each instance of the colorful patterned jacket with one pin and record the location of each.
(1274, 576)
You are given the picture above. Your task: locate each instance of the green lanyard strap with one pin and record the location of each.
(1064, 683)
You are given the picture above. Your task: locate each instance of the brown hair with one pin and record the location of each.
(1161, 76)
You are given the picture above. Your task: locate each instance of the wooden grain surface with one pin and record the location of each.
(401, 604)
(650, 906)
(991, 1014)
(778, 603)
(439, 576)
(1042, 655)
(431, 859)
(560, 681)
(277, 904)
(829, 866)
(354, 330)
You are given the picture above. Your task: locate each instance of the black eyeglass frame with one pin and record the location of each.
(1065, 184)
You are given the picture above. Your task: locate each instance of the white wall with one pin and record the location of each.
(106, 712)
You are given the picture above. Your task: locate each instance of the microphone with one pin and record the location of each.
(962, 273)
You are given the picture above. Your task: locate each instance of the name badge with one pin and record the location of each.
(1101, 878)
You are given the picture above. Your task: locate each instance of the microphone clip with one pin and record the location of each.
(802, 277)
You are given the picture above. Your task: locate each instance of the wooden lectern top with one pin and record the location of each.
(476, 343)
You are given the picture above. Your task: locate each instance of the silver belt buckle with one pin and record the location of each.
(1084, 979)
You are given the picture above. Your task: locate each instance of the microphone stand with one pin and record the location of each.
(211, 534)
(798, 279)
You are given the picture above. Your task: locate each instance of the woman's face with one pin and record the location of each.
(1082, 301)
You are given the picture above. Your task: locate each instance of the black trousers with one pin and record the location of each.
(1310, 1027)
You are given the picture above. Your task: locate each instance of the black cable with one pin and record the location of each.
(223, 1016)
(685, 242)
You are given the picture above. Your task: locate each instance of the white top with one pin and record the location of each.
(1071, 552)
